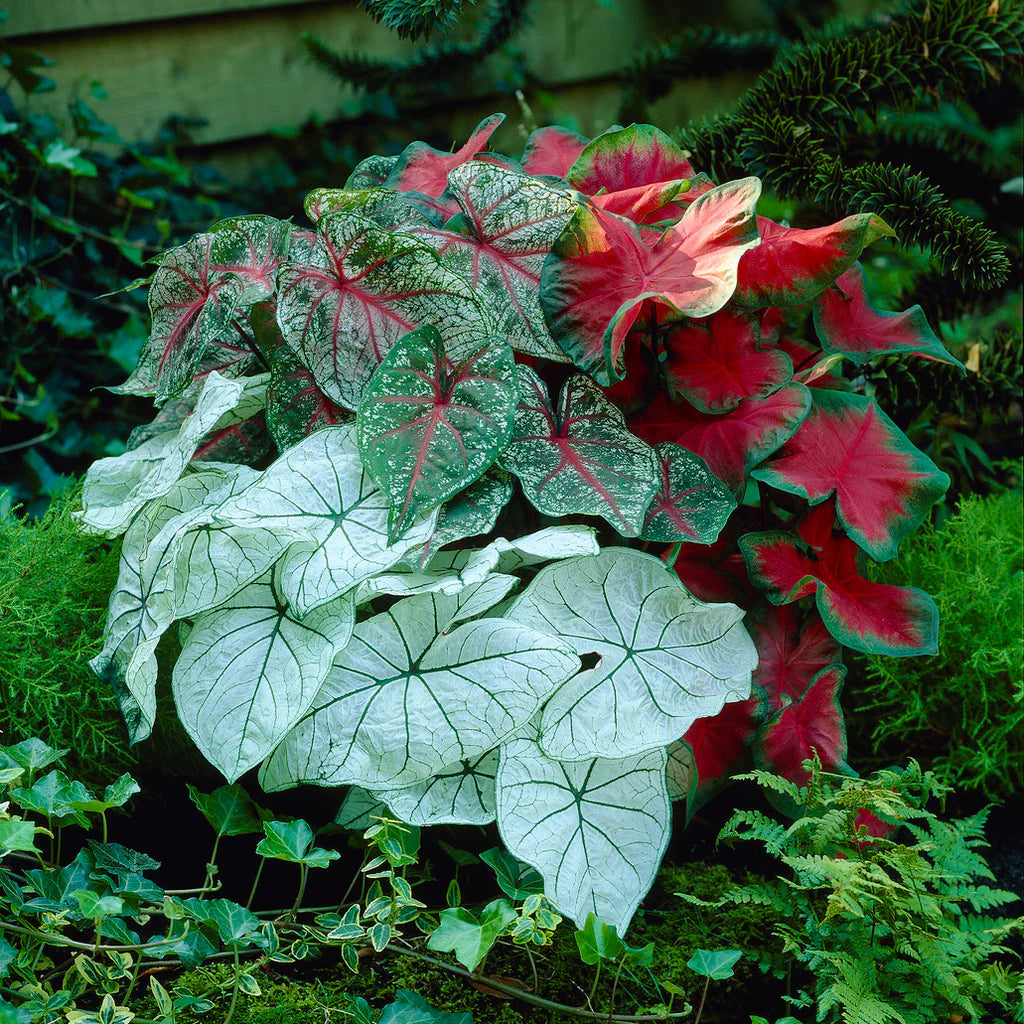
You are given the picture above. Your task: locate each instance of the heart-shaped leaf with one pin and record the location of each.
(847, 446)
(595, 830)
(229, 810)
(715, 363)
(714, 964)
(248, 671)
(598, 941)
(551, 150)
(580, 458)
(293, 841)
(296, 407)
(234, 923)
(516, 879)
(412, 1008)
(691, 503)
(793, 265)
(848, 323)
(718, 748)
(602, 269)
(461, 794)
(470, 938)
(664, 657)
(398, 211)
(428, 427)
(358, 290)
(463, 692)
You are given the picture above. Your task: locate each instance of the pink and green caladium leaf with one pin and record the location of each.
(871, 617)
(464, 690)
(117, 488)
(552, 150)
(360, 289)
(196, 293)
(296, 407)
(428, 427)
(602, 269)
(847, 323)
(734, 442)
(421, 168)
(461, 794)
(716, 363)
(884, 486)
(811, 723)
(580, 459)
(249, 669)
(664, 657)
(319, 495)
(792, 265)
(499, 242)
(691, 503)
(596, 830)
(370, 172)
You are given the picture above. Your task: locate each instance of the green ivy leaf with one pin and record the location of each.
(292, 841)
(58, 154)
(716, 965)
(17, 835)
(411, 1008)
(234, 923)
(515, 879)
(598, 941)
(229, 810)
(92, 905)
(117, 794)
(461, 932)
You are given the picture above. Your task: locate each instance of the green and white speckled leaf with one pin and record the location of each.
(596, 830)
(471, 513)
(580, 459)
(427, 428)
(248, 670)
(370, 172)
(461, 794)
(296, 407)
(117, 488)
(318, 494)
(362, 287)
(397, 211)
(665, 657)
(509, 222)
(461, 693)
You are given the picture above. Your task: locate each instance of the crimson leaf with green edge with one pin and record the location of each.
(884, 487)
(428, 426)
(859, 613)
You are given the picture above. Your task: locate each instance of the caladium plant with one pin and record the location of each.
(518, 490)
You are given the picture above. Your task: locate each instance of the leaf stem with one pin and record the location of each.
(703, 997)
(255, 882)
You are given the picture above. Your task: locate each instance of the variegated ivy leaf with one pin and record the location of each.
(429, 427)
(296, 407)
(461, 693)
(249, 669)
(196, 293)
(596, 830)
(361, 288)
(399, 211)
(462, 794)
(665, 658)
(580, 459)
(143, 603)
(509, 222)
(318, 494)
(116, 488)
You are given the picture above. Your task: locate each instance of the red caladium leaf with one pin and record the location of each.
(848, 323)
(498, 244)
(421, 168)
(691, 503)
(295, 405)
(811, 366)
(793, 265)
(360, 289)
(602, 269)
(813, 723)
(730, 444)
(715, 363)
(847, 446)
(638, 155)
(714, 573)
(645, 203)
(867, 616)
(790, 653)
(552, 150)
(719, 745)
(428, 427)
(642, 379)
(580, 459)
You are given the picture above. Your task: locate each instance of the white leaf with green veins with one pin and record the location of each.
(117, 488)
(462, 794)
(666, 658)
(405, 698)
(596, 830)
(318, 494)
(249, 670)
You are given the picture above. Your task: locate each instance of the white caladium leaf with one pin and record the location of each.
(428, 426)
(666, 658)
(461, 794)
(580, 458)
(359, 810)
(318, 494)
(461, 693)
(248, 671)
(508, 224)
(116, 488)
(142, 605)
(681, 771)
(361, 288)
(494, 587)
(596, 830)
